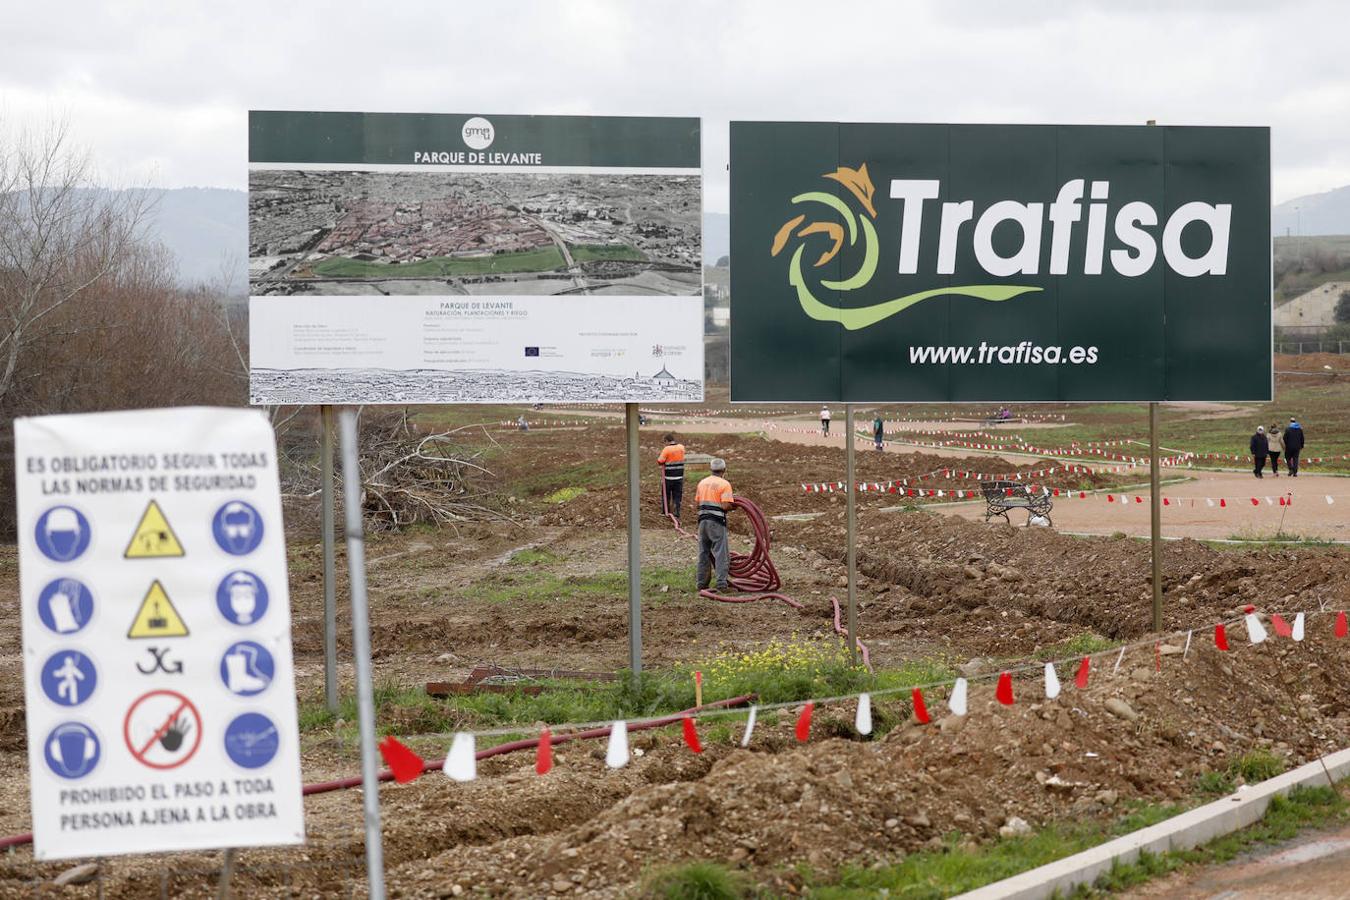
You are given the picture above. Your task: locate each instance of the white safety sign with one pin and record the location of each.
(156, 633)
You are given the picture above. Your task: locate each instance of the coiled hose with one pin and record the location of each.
(754, 574)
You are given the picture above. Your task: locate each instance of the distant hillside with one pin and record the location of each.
(1327, 213)
(206, 229)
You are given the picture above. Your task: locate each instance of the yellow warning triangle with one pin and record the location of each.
(153, 538)
(157, 617)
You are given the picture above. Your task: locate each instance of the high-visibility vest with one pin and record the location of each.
(713, 492)
(672, 461)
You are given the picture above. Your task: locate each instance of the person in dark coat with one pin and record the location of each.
(1293, 446)
(1260, 449)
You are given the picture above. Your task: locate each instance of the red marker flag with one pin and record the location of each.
(1004, 692)
(543, 754)
(1340, 624)
(1220, 637)
(1084, 667)
(691, 735)
(1280, 625)
(404, 763)
(804, 722)
(920, 708)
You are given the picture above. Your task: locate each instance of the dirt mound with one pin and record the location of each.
(839, 800)
(982, 573)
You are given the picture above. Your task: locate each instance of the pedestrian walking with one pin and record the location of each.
(1275, 446)
(825, 421)
(522, 424)
(1293, 446)
(671, 462)
(1259, 448)
(879, 432)
(714, 498)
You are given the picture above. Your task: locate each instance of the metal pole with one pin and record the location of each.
(365, 701)
(634, 545)
(851, 502)
(330, 688)
(1155, 513)
(223, 890)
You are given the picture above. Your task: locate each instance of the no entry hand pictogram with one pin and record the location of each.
(162, 729)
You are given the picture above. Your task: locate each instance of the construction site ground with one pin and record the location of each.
(938, 586)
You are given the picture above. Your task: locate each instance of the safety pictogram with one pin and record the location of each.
(72, 750)
(237, 528)
(62, 533)
(69, 678)
(157, 617)
(162, 729)
(251, 740)
(65, 606)
(247, 668)
(153, 537)
(241, 597)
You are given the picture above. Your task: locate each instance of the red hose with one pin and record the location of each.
(354, 781)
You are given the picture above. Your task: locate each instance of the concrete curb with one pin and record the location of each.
(1182, 832)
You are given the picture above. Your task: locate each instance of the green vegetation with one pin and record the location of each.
(695, 881)
(533, 556)
(783, 672)
(958, 867)
(583, 476)
(562, 495)
(583, 253)
(1083, 644)
(540, 259)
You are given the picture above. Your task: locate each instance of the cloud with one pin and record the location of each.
(160, 91)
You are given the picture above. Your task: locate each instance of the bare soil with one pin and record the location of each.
(934, 586)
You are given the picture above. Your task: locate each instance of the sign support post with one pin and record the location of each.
(365, 701)
(634, 545)
(330, 690)
(1155, 512)
(851, 536)
(1155, 503)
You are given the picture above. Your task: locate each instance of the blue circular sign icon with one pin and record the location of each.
(238, 528)
(241, 598)
(251, 740)
(62, 533)
(72, 750)
(247, 668)
(69, 678)
(65, 606)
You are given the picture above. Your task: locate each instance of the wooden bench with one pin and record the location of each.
(1001, 496)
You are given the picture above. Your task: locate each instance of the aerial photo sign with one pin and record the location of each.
(999, 262)
(400, 258)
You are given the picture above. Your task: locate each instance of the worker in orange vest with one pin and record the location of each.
(671, 462)
(714, 499)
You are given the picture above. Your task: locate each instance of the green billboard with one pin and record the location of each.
(914, 263)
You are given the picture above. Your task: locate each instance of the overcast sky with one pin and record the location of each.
(160, 90)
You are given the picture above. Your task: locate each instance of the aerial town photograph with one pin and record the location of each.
(335, 232)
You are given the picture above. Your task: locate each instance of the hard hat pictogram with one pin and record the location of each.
(62, 533)
(154, 537)
(157, 616)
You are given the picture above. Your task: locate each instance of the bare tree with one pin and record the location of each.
(59, 237)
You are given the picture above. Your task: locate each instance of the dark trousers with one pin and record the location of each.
(1291, 462)
(1275, 461)
(713, 554)
(1260, 464)
(672, 496)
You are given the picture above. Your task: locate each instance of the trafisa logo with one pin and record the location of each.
(478, 133)
(856, 215)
